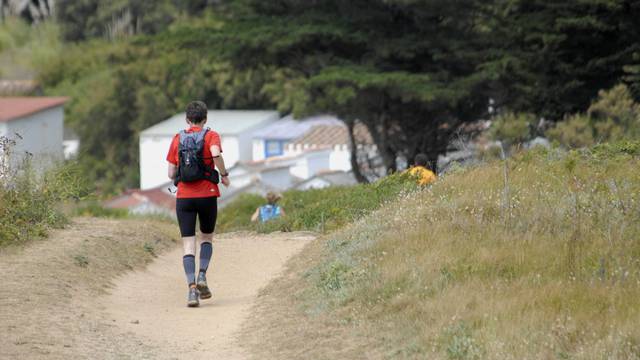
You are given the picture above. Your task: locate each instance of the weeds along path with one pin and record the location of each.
(152, 303)
(84, 292)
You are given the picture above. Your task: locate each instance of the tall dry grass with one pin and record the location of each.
(458, 271)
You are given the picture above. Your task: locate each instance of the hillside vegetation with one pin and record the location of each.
(544, 265)
(319, 210)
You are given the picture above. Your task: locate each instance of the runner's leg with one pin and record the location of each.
(207, 214)
(207, 211)
(186, 214)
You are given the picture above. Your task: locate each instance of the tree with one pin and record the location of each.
(551, 57)
(408, 70)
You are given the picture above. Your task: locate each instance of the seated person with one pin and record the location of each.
(420, 170)
(269, 211)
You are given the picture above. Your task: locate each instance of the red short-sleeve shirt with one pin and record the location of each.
(200, 188)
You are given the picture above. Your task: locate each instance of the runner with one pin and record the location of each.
(420, 171)
(192, 156)
(269, 211)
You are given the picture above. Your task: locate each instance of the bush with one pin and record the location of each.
(513, 128)
(30, 204)
(317, 209)
(614, 116)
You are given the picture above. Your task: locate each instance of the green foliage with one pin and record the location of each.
(513, 128)
(29, 205)
(24, 48)
(574, 132)
(317, 209)
(149, 248)
(95, 209)
(460, 344)
(613, 117)
(81, 260)
(552, 57)
(237, 215)
(84, 19)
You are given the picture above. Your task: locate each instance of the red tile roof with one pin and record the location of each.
(135, 197)
(12, 108)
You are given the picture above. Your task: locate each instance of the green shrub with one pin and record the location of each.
(25, 48)
(317, 209)
(30, 204)
(574, 132)
(513, 128)
(95, 209)
(614, 116)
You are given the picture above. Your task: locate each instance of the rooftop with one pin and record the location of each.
(19, 88)
(289, 128)
(225, 122)
(12, 108)
(330, 135)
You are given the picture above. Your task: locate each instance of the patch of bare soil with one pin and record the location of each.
(50, 289)
(285, 324)
(152, 303)
(74, 296)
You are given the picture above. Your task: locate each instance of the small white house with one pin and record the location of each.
(234, 126)
(272, 140)
(37, 125)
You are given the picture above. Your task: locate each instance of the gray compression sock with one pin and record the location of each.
(189, 262)
(206, 249)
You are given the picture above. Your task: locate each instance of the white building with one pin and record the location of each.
(37, 125)
(272, 140)
(234, 126)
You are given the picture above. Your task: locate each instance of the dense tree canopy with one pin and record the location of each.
(412, 71)
(553, 56)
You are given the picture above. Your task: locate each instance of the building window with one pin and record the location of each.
(273, 148)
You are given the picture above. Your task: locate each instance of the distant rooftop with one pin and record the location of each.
(225, 122)
(12, 108)
(19, 88)
(289, 128)
(330, 135)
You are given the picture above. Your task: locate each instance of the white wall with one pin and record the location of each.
(258, 149)
(41, 136)
(316, 183)
(153, 161)
(311, 163)
(279, 178)
(340, 158)
(230, 150)
(153, 158)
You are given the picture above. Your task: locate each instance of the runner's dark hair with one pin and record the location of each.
(196, 112)
(421, 160)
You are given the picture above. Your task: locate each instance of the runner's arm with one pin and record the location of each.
(217, 158)
(219, 162)
(172, 171)
(255, 215)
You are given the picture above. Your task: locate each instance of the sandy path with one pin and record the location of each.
(152, 303)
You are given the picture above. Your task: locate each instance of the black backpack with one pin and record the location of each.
(191, 166)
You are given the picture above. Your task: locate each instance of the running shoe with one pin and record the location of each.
(205, 293)
(193, 298)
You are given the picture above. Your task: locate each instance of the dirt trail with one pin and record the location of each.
(59, 298)
(152, 303)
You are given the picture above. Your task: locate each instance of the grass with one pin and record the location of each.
(321, 210)
(459, 271)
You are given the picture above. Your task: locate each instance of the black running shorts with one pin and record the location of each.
(206, 210)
